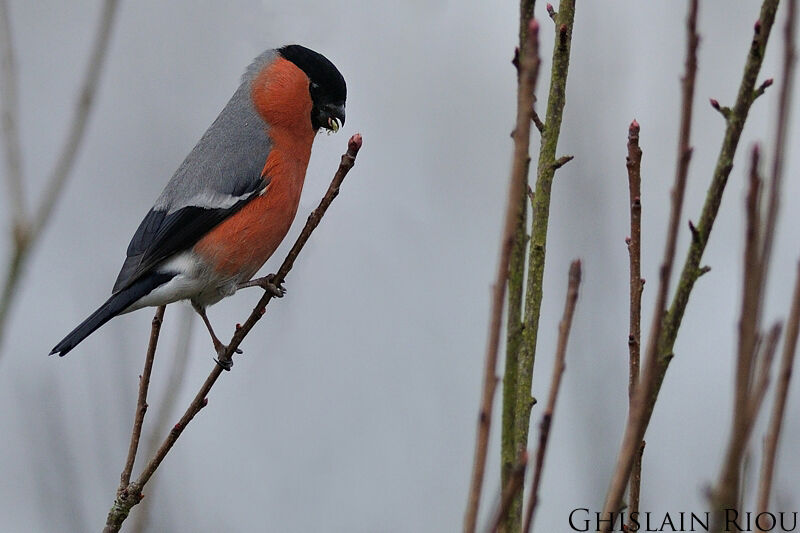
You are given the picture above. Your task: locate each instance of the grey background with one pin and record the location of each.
(354, 406)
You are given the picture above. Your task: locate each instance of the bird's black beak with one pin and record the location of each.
(334, 116)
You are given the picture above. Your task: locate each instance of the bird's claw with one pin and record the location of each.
(223, 360)
(277, 290)
(225, 364)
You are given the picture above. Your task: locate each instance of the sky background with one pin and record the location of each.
(354, 406)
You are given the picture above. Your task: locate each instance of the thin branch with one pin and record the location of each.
(141, 401)
(74, 138)
(171, 394)
(9, 108)
(764, 363)
(752, 376)
(637, 420)
(133, 494)
(514, 486)
(734, 125)
(545, 172)
(779, 404)
(634, 165)
(725, 492)
(752, 373)
(781, 125)
(787, 357)
(563, 160)
(25, 239)
(516, 268)
(555, 385)
(529, 69)
(537, 121)
(635, 488)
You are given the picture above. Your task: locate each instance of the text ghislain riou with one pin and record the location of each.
(582, 519)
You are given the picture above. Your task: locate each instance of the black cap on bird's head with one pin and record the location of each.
(328, 89)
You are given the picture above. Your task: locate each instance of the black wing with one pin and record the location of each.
(161, 235)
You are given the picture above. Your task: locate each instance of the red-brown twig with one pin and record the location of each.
(753, 362)
(172, 389)
(724, 494)
(779, 405)
(513, 487)
(555, 385)
(634, 242)
(637, 423)
(634, 165)
(781, 123)
(787, 357)
(133, 493)
(529, 69)
(141, 401)
(516, 281)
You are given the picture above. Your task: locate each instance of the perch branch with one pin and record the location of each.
(133, 493)
(555, 385)
(141, 401)
(172, 389)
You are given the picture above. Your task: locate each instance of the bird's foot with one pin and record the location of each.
(277, 290)
(224, 360)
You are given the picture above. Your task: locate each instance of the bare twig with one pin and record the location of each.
(781, 124)
(762, 374)
(133, 493)
(9, 107)
(637, 423)
(752, 373)
(74, 138)
(634, 164)
(634, 242)
(516, 268)
(734, 125)
(141, 401)
(787, 357)
(27, 233)
(529, 69)
(779, 405)
(555, 385)
(724, 494)
(537, 121)
(514, 486)
(171, 394)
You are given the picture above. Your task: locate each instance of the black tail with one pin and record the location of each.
(118, 302)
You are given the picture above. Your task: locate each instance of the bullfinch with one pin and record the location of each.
(232, 200)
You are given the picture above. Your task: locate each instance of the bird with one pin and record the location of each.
(232, 200)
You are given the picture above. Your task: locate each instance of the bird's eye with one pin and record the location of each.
(314, 86)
